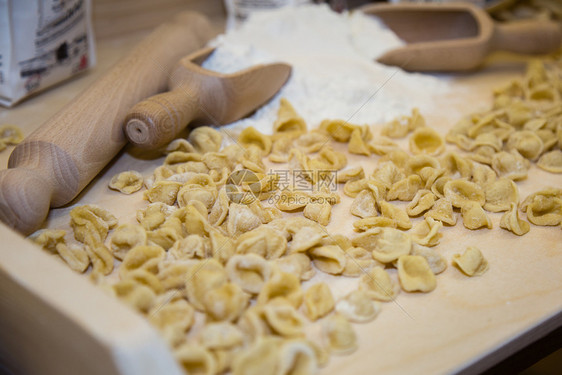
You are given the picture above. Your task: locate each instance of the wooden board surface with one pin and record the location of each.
(465, 324)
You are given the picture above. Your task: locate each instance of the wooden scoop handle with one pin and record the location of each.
(527, 36)
(53, 164)
(156, 121)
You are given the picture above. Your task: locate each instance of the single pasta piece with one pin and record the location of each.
(443, 211)
(225, 302)
(264, 241)
(125, 237)
(358, 262)
(500, 194)
(364, 205)
(91, 224)
(436, 261)
(378, 285)
(358, 307)
(474, 216)
(421, 202)
(288, 119)
(142, 257)
(425, 140)
(140, 297)
(471, 262)
(202, 277)
(551, 161)
(426, 232)
(10, 134)
(339, 334)
(281, 284)
(462, 192)
(126, 182)
(282, 317)
(163, 191)
(319, 212)
(385, 244)
(241, 219)
(318, 301)
(329, 259)
(393, 212)
(405, 189)
(251, 136)
(544, 210)
(205, 139)
(527, 143)
(511, 221)
(306, 238)
(173, 320)
(297, 356)
(249, 271)
(195, 359)
(339, 130)
(357, 143)
(510, 164)
(415, 275)
(298, 264)
(221, 335)
(260, 357)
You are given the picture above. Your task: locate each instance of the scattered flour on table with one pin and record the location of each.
(334, 73)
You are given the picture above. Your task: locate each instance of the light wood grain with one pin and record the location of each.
(54, 322)
(54, 163)
(458, 36)
(200, 95)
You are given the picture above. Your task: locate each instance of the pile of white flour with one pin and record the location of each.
(334, 73)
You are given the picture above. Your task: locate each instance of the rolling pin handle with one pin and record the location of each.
(25, 198)
(156, 121)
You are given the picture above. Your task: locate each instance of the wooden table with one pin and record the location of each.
(53, 321)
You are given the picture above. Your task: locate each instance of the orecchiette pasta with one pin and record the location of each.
(500, 194)
(415, 275)
(287, 119)
(378, 285)
(127, 182)
(386, 244)
(339, 334)
(358, 307)
(393, 212)
(426, 232)
(249, 271)
(225, 302)
(194, 359)
(283, 318)
(474, 216)
(329, 259)
(205, 139)
(281, 284)
(427, 141)
(511, 221)
(202, 277)
(471, 262)
(462, 192)
(318, 301)
(551, 161)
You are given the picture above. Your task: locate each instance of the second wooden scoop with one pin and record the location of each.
(200, 95)
(458, 36)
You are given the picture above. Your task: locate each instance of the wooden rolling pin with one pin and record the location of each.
(55, 162)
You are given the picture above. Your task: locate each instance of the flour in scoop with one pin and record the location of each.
(334, 73)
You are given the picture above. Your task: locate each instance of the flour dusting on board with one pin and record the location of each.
(334, 72)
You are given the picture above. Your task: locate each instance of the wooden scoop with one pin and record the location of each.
(458, 36)
(54, 163)
(200, 95)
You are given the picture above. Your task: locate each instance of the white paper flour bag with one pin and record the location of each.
(42, 42)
